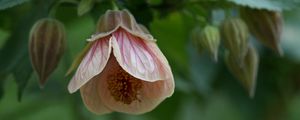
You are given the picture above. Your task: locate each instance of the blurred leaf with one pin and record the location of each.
(171, 106)
(69, 1)
(3, 37)
(143, 15)
(66, 12)
(84, 6)
(99, 9)
(171, 34)
(22, 73)
(14, 54)
(5, 21)
(274, 5)
(140, 10)
(154, 2)
(197, 13)
(2, 79)
(4, 4)
(136, 3)
(10, 17)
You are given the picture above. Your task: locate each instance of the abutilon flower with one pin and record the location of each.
(124, 70)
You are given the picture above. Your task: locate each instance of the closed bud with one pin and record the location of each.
(235, 34)
(265, 25)
(46, 46)
(208, 39)
(246, 73)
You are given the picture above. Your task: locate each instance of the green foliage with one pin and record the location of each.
(4, 4)
(139, 9)
(1, 86)
(99, 9)
(15, 51)
(22, 73)
(154, 2)
(171, 35)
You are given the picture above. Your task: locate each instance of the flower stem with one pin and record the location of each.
(52, 11)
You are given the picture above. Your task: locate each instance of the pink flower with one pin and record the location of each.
(124, 70)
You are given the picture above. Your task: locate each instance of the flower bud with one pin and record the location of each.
(265, 25)
(235, 34)
(208, 39)
(246, 73)
(46, 46)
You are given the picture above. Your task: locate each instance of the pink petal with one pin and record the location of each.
(91, 98)
(140, 58)
(92, 64)
(113, 20)
(150, 95)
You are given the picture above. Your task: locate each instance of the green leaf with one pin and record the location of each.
(4, 4)
(100, 9)
(22, 73)
(273, 5)
(14, 54)
(140, 10)
(171, 34)
(154, 2)
(2, 81)
(84, 6)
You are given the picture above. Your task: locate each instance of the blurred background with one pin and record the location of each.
(205, 90)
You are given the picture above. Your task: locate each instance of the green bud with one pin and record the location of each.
(265, 25)
(208, 39)
(236, 35)
(46, 46)
(247, 72)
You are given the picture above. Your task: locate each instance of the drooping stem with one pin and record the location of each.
(114, 5)
(52, 11)
(56, 4)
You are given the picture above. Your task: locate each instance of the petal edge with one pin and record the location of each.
(91, 98)
(92, 64)
(140, 58)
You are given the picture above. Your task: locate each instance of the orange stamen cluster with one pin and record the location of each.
(124, 87)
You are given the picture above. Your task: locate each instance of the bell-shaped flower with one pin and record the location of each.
(123, 70)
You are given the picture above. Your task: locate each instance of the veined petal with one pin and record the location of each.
(91, 97)
(92, 64)
(140, 58)
(148, 96)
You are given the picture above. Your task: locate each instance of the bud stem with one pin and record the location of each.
(227, 13)
(52, 11)
(114, 5)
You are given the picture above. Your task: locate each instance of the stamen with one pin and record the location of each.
(124, 87)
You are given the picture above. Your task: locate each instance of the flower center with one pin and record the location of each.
(124, 87)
